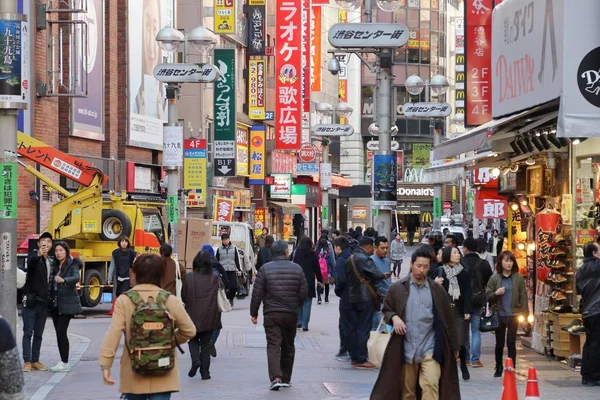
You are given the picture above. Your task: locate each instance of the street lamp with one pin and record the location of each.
(389, 5)
(348, 5)
(169, 39)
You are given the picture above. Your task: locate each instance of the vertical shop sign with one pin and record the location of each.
(343, 75)
(257, 23)
(223, 209)
(225, 17)
(172, 146)
(420, 155)
(283, 163)
(460, 76)
(224, 95)
(241, 151)
(8, 184)
(14, 61)
(384, 180)
(259, 220)
(194, 171)
(256, 89)
(315, 48)
(491, 208)
(172, 209)
(400, 164)
(306, 35)
(288, 63)
(437, 207)
(257, 155)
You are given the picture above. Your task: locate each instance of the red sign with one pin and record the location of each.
(307, 153)
(491, 208)
(223, 209)
(269, 180)
(478, 16)
(306, 56)
(283, 163)
(288, 67)
(484, 177)
(400, 164)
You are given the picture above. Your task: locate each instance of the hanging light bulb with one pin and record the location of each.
(524, 202)
(514, 206)
(521, 246)
(531, 246)
(496, 172)
(530, 161)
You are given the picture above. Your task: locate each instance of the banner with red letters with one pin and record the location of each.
(224, 209)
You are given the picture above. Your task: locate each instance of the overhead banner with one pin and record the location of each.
(225, 17)
(343, 75)
(579, 114)
(257, 155)
(256, 89)
(241, 157)
(194, 171)
(316, 24)
(288, 64)
(478, 18)
(460, 62)
(257, 23)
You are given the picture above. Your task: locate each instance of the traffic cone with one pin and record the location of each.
(112, 308)
(509, 386)
(533, 391)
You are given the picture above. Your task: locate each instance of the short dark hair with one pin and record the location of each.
(471, 244)
(45, 235)
(342, 242)
(125, 238)
(366, 241)
(224, 236)
(202, 262)
(265, 230)
(324, 232)
(335, 232)
(589, 249)
(481, 245)
(422, 252)
(502, 256)
(370, 232)
(446, 254)
(452, 239)
(379, 240)
(428, 249)
(358, 229)
(166, 250)
(279, 248)
(148, 268)
(269, 240)
(445, 230)
(65, 246)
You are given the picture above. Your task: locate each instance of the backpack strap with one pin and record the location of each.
(162, 296)
(134, 296)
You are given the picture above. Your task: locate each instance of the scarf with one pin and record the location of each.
(451, 275)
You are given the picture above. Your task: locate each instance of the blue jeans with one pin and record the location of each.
(361, 328)
(475, 348)
(304, 313)
(34, 322)
(151, 396)
(215, 336)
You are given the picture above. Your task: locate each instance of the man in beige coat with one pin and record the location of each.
(148, 270)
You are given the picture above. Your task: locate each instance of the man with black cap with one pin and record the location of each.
(227, 255)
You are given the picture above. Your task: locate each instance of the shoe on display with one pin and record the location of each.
(38, 366)
(560, 296)
(61, 367)
(575, 322)
(559, 278)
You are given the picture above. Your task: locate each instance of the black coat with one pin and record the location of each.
(218, 268)
(465, 301)
(199, 294)
(480, 273)
(341, 279)
(365, 266)
(65, 293)
(264, 256)
(37, 282)
(309, 262)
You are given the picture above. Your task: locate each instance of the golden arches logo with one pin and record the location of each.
(460, 94)
(460, 59)
(426, 217)
(460, 77)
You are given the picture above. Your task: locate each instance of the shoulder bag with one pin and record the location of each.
(377, 344)
(178, 280)
(489, 321)
(374, 294)
(222, 301)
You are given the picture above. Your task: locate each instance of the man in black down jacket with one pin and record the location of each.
(362, 299)
(343, 252)
(588, 285)
(281, 286)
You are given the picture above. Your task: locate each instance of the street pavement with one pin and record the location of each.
(240, 370)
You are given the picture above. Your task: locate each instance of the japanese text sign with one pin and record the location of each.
(223, 209)
(182, 73)
(426, 110)
(282, 163)
(172, 209)
(282, 186)
(460, 61)
(14, 60)
(225, 16)
(241, 157)
(194, 171)
(315, 48)
(478, 18)
(8, 199)
(224, 95)
(305, 60)
(257, 23)
(484, 177)
(343, 75)
(288, 63)
(257, 155)
(491, 208)
(256, 89)
(172, 146)
(376, 35)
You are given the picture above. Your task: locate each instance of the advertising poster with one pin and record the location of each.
(225, 17)
(343, 75)
(147, 106)
(256, 89)
(241, 151)
(420, 155)
(359, 213)
(257, 22)
(282, 186)
(14, 63)
(288, 64)
(88, 112)
(257, 155)
(400, 164)
(315, 47)
(194, 171)
(172, 146)
(384, 179)
(223, 209)
(259, 220)
(224, 92)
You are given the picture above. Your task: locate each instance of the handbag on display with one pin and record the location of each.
(377, 343)
(489, 321)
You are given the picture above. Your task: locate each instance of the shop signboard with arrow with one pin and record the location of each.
(224, 158)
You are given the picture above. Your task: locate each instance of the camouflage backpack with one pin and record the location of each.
(152, 335)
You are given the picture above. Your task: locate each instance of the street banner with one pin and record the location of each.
(24, 116)
(305, 61)
(147, 105)
(478, 18)
(283, 163)
(400, 164)
(194, 171)
(547, 225)
(316, 18)
(223, 209)
(241, 154)
(9, 182)
(460, 75)
(14, 63)
(257, 155)
(225, 17)
(256, 89)
(224, 95)
(257, 23)
(88, 112)
(527, 53)
(579, 114)
(172, 146)
(384, 180)
(325, 175)
(288, 64)
(343, 75)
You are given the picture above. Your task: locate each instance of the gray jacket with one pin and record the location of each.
(229, 258)
(397, 250)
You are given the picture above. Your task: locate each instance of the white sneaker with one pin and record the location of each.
(61, 367)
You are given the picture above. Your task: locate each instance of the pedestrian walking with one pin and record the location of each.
(282, 288)
(264, 254)
(199, 294)
(588, 286)
(480, 273)
(484, 255)
(306, 258)
(64, 299)
(168, 281)
(227, 255)
(495, 245)
(506, 288)
(149, 303)
(382, 262)
(363, 277)
(423, 347)
(456, 280)
(36, 296)
(218, 268)
(326, 265)
(121, 263)
(343, 252)
(12, 383)
(411, 229)
(397, 253)
(263, 237)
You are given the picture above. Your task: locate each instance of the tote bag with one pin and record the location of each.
(378, 342)
(222, 301)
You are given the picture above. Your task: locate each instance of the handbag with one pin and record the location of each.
(376, 295)
(222, 301)
(489, 321)
(178, 281)
(376, 345)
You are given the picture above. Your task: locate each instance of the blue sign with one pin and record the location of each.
(13, 61)
(307, 169)
(269, 115)
(384, 180)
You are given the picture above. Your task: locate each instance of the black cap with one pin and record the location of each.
(224, 236)
(45, 235)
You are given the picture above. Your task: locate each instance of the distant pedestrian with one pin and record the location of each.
(484, 255)
(227, 255)
(281, 287)
(397, 253)
(120, 266)
(495, 245)
(506, 288)
(343, 252)
(199, 294)
(411, 228)
(12, 384)
(134, 386)
(358, 233)
(36, 296)
(382, 262)
(327, 267)
(263, 237)
(423, 348)
(305, 257)
(64, 299)
(335, 234)
(218, 268)
(264, 254)
(169, 277)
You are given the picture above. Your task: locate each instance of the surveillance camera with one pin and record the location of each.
(333, 66)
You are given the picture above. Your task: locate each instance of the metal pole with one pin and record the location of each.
(437, 139)
(173, 173)
(324, 192)
(8, 226)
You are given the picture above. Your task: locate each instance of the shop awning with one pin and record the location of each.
(336, 180)
(288, 208)
(448, 172)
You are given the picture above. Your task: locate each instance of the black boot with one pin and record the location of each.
(463, 363)
(498, 371)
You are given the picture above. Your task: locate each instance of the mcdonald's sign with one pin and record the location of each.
(460, 59)
(460, 94)
(460, 77)
(426, 217)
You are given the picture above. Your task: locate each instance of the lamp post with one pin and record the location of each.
(170, 39)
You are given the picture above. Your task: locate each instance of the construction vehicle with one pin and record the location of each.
(89, 221)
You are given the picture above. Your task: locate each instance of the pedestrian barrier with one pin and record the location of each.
(509, 386)
(533, 391)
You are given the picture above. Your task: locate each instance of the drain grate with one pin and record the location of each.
(348, 388)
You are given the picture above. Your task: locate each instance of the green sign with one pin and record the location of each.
(325, 213)
(437, 207)
(420, 155)
(8, 199)
(224, 95)
(375, 212)
(172, 209)
(470, 202)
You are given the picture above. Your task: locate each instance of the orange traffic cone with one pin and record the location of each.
(509, 387)
(533, 391)
(112, 308)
